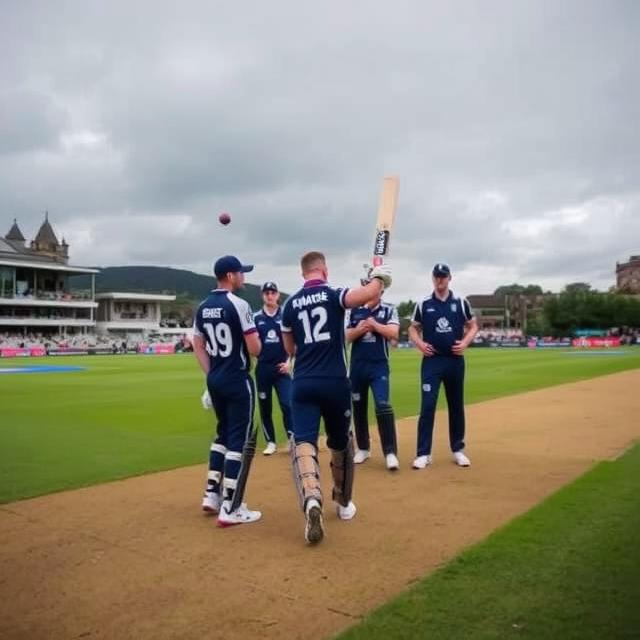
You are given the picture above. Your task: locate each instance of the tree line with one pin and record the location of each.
(577, 306)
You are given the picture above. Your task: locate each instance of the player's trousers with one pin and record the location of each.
(269, 378)
(448, 370)
(365, 376)
(233, 400)
(329, 399)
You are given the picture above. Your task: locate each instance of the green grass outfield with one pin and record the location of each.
(127, 415)
(569, 568)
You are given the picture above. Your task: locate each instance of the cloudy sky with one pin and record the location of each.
(514, 128)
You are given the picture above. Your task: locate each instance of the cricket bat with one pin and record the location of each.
(386, 217)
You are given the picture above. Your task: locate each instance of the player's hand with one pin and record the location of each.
(370, 324)
(426, 348)
(383, 273)
(458, 347)
(284, 367)
(206, 400)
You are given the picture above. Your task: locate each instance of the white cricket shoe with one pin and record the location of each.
(422, 461)
(211, 502)
(242, 515)
(314, 525)
(270, 449)
(461, 460)
(392, 462)
(348, 512)
(361, 455)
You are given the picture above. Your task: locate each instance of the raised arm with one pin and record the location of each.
(359, 296)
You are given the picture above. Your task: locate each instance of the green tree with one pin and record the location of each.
(405, 309)
(518, 289)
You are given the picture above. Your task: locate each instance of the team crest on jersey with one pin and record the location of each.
(381, 314)
(454, 307)
(272, 336)
(443, 325)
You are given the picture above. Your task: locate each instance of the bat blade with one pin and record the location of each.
(386, 218)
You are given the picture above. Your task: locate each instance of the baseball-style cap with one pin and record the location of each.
(441, 270)
(230, 264)
(270, 285)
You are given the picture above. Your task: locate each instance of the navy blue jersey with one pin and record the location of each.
(371, 347)
(315, 318)
(442, 321)
(223, 319)
(270, 330)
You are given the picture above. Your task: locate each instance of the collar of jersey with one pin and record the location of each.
(268, 314)
(314, 283)
(435, 297)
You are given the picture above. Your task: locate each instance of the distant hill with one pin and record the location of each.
(186, 285)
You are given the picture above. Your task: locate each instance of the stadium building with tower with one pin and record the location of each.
(38, 302)
(35, 294)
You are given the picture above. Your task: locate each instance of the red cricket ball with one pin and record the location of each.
(224, 218)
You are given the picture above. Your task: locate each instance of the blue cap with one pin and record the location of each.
(270, 285)
(441, 270)
(230, 264)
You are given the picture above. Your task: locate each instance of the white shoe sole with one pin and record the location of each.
(233, 523)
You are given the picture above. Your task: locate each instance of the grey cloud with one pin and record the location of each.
(146, 115)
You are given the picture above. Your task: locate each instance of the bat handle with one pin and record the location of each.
(377, 261)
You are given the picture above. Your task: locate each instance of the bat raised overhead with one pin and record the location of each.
(386, 217)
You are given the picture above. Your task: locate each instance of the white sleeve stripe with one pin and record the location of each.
(464, 303)
(343, 293)
(244, 312)
(286, 329)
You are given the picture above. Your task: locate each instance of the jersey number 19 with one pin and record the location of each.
(220, 341)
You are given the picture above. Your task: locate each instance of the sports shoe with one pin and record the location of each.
(361, 455)
(242, 515)
(422, 461)
(393, 464)
(348, 512)
(314, 527)
(211, 502)
(460, 459)
(270, 449)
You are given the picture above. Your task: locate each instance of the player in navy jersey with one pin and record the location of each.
(224, 339)
(369, 329)
(272, 370)
(313, 332)
(442, 327)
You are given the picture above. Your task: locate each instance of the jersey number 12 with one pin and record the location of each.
(318, 316)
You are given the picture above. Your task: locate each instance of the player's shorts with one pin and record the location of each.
(233, 401)
(326, 398)
(370, 375)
